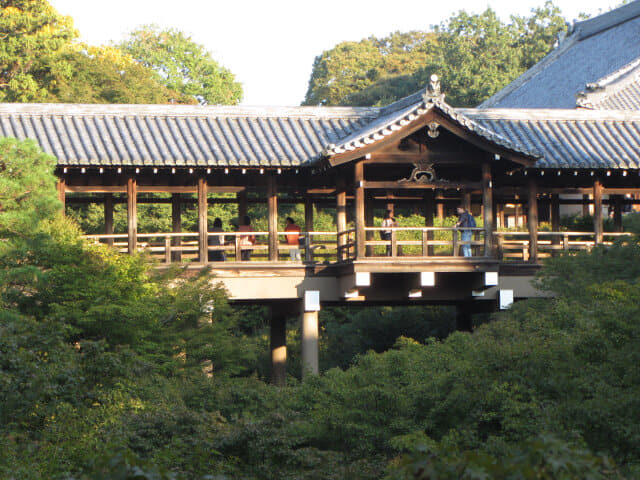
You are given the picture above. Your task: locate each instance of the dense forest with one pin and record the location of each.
(112, 369)
(109, 369)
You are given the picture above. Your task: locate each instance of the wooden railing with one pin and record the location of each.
(424, 242)
(331, 247)
(514, 246)
(179, 247)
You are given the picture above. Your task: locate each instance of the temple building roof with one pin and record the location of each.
(617, 91)
(569, 139)
(177, 135)
(593, 50)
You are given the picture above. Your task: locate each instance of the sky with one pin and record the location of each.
(270, 45)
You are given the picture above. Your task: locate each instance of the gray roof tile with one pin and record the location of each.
(569, 138)
(594, 49)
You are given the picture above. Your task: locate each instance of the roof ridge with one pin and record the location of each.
(185, 110)
(549, 114)
(592, 26)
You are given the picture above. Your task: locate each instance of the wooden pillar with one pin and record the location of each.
(242, 205)
(617, 212)
(368, 221)
(176, 226)
(278, 348)
(598, 226)
(308, 214)
(429, 204)
(501, 218)
(202, 220)
(132, 214)
(341, 216)
(310, 363)
(555, 212)
(359, 208)
(62, 195)
(487, 204)
(272, 213)
(439, 205)
(532, 203)
(108, 216)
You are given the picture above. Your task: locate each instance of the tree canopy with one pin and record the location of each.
(33, 35)
(183, 65)
(475, 55)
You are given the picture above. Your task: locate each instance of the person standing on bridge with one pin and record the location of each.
(387, 222)
(465, 219)
(292, 232)
(246, 240)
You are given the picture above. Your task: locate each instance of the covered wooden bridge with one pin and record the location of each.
(418, 155)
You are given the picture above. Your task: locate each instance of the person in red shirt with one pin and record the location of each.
(293, 239)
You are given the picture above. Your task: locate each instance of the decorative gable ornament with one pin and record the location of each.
(432, 93)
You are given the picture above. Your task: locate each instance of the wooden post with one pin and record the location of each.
(487, 204)
(108, 217)
(359, 208)
(532, 201)
(555, 218)
(62, 195)
(429, 203)
(439, 205)
(176, 226)
(341, 217)
(242, 205)
(598, 226)
(278, 348)
(202, 220)
(132, 214)
(272, 212)
(368, 218)
(501, 219)
(617, 212)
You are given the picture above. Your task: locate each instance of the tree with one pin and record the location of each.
(474, 56)
(351, 67)
(107, 75)
(183, 65)
(33, 34)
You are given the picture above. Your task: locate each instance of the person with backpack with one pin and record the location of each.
(465, 219)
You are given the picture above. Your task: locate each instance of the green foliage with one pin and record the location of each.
(106, 75)
(183, 65)
(27, 187)
(475, 55)
(33, 35)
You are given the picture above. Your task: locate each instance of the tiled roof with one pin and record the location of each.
(617, 91)
(395, 116)
(176, 135)
(594, 49)
(569, 138)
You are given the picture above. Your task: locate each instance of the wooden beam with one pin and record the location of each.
(466, 199)
(97, 188)
(108, 216)
(487, 209)
(386, 185)
(359, 208)
(598, 226)
(202, 220)
(132, 215)
(439, 205)
(532, 203)
(272, 213)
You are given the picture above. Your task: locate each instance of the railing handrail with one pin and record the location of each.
(423, 229)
